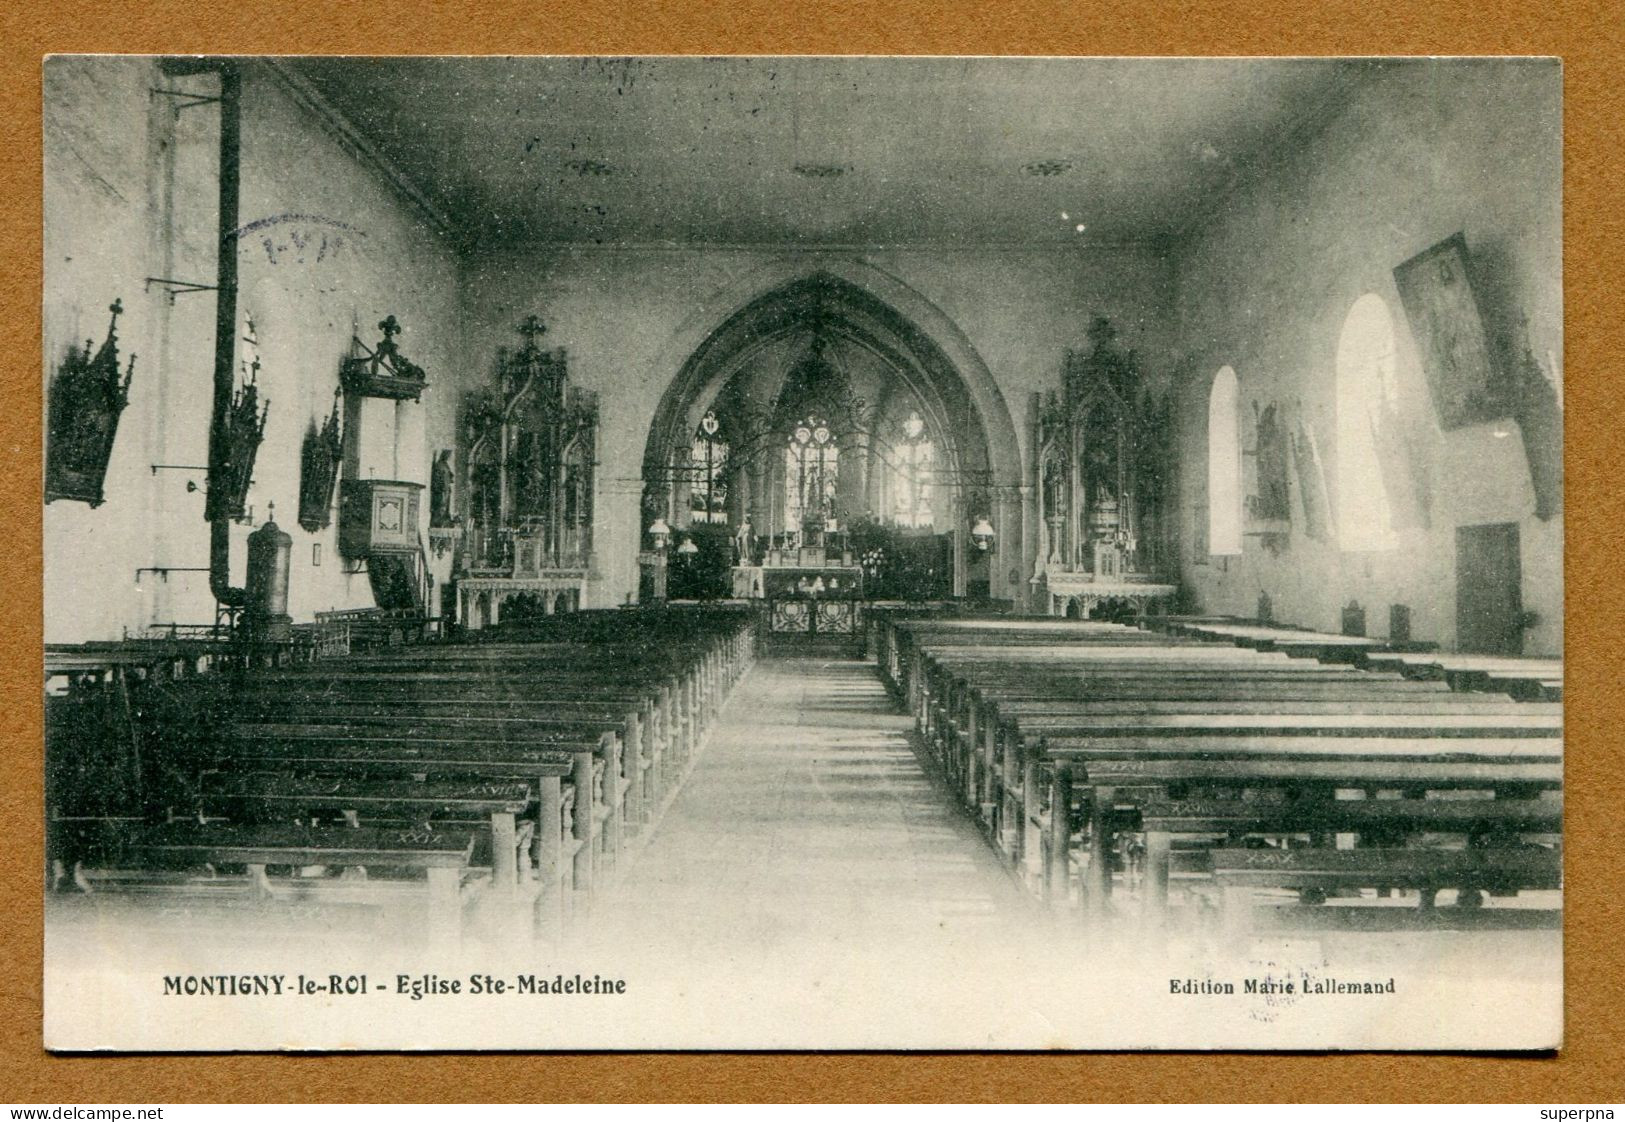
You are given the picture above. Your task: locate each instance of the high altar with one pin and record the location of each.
(805, 592)
(1105, 500)
(529, 443)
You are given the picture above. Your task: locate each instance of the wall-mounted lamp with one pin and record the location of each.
(982, 533)
(661, 533)
(688, 548)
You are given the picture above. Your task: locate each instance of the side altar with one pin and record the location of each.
(1105, 464)
(523, 533)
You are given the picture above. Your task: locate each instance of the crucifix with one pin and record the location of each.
(532, 329)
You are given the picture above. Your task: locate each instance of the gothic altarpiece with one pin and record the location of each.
(524, 518)
(1105, 500)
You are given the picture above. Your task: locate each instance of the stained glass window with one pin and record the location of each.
(911, 493)
(708, 461)
(811, 465)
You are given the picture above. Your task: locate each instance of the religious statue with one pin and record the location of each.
(744, 543)
(1054, 485)
(441, 479)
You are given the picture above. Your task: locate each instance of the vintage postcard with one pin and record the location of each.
(803, 553)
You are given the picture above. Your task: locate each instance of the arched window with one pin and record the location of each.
(1365, 383)
(810, 465)
(708, 459)
(1224, 464)
(911, 494)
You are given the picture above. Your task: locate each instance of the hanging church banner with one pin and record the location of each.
(1269, 507)
(1540, 419)
(1436, 289)
(1317, 507)
(319, 458)
(87, 396)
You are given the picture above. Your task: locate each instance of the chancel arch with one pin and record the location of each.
(843, 424)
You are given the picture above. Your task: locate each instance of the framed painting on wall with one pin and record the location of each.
(1464, 380)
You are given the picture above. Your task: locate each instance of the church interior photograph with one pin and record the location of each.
(802, 552)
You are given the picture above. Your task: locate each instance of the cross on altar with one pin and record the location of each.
(531, 329)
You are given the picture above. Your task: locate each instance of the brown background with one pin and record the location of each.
(1586, 35)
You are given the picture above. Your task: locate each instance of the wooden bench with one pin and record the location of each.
(641, 720)
(1537, 679)
(442, 855)
(1318, 873)
(280, 795)
(995, 725)
(956, 737)
(1241, 734)
(477, 760)
(621, 745)
(953, 684)
(1477, 820)
(595, 719)
(1021, 718)
(1110, 782)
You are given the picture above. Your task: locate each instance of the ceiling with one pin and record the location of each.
(825, 151)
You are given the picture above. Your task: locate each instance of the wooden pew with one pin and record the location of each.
(997, 724)
(608, 713)
(442, 855)
(556, 777)
(583, 761)
(1131, 772)
(1016, 724)
(975, 691)
(446, 692)
(1505, 870)
(1261, 713)
(944, 673)
(640, 718)
(454, 707)
(259, 797)
(1538, 679)
(1480, 822)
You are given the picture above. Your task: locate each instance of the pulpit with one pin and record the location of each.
(378, 516)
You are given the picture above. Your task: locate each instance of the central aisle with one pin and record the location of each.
(810, 866)
(808, 816)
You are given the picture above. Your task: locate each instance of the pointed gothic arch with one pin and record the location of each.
(865, 312)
